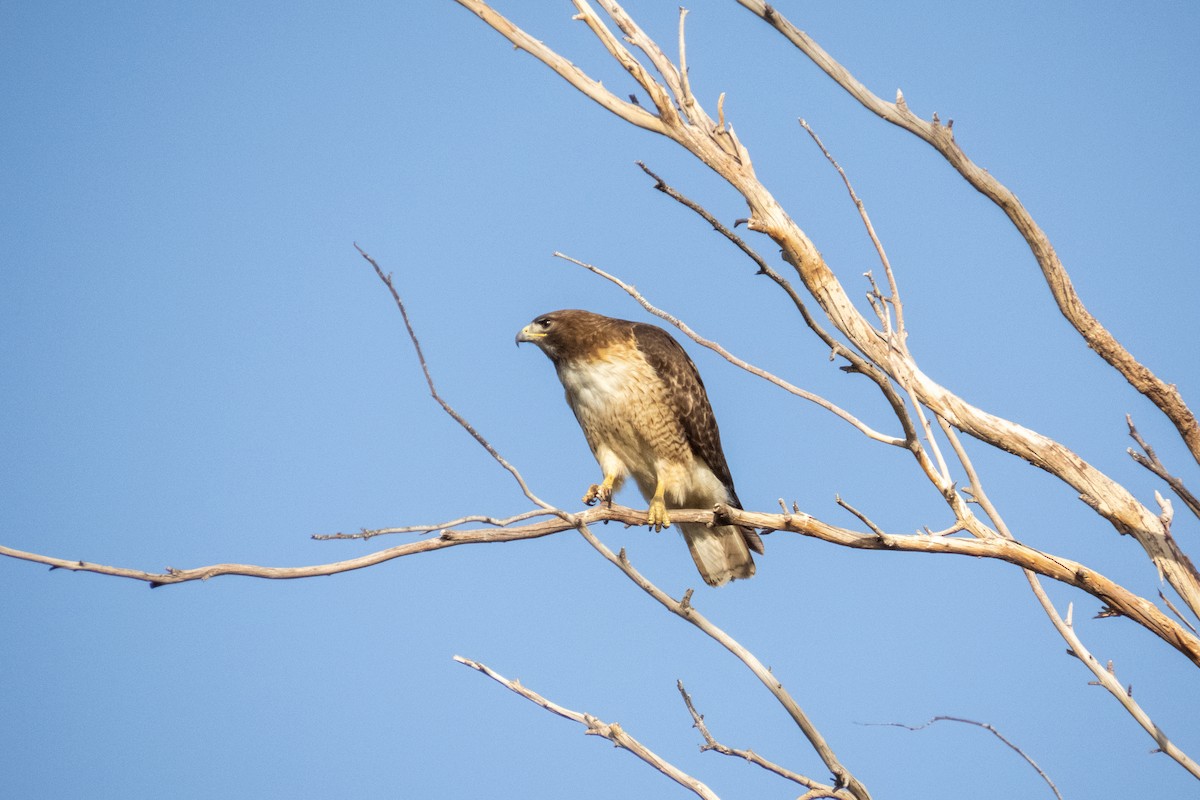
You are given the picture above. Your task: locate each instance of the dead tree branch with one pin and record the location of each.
(894, 298)
(1107, 678)
(611, 731)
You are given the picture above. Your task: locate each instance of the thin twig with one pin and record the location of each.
(883, 259)
(862, 517)
(987, 727)
(732, 359)
(611, 731)
(1176, 612)
(459, 418)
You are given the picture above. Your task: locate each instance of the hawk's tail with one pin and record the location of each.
(721, 553)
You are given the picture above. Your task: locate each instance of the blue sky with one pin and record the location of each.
(199, 368)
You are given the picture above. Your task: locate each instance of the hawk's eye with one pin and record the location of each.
(543, 322)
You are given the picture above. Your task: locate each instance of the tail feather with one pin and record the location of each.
(721, 553)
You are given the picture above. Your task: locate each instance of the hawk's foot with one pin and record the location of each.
(657, 517)
(599, 493)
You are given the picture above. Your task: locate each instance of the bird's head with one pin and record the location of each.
(560, 333)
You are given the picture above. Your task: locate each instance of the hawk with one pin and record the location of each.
(645, 414)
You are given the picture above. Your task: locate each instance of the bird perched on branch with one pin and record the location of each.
(644, 411)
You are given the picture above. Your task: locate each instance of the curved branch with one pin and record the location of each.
(987, 727)
(941, 137)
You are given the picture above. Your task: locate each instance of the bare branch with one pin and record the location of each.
(987, 727)
(941, 137)
(609, 730)
(711, 743)
(732, 359)
(1065, 628)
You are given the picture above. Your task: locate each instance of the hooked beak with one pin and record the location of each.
(528, 334)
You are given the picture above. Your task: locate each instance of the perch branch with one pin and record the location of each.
(1051, 566)
(439, 527)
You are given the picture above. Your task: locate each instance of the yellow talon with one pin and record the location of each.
(657, 516)
(600, 492)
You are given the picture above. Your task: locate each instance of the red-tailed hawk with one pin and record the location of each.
(644, 411)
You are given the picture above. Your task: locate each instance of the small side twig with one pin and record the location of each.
(862, 517)
(1150, 461)
(710, 743)
(439, 527)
